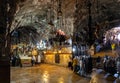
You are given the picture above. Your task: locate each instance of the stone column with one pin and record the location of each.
(4, 42)
(90, 22)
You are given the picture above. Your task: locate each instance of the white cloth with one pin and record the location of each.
(81, 64)
(118, 66)
(34, 58)
(39, 59)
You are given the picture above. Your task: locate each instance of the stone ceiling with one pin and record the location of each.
(105, 14)
(36, 13)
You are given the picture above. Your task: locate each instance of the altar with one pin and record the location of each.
(58, 57)
(25, 61)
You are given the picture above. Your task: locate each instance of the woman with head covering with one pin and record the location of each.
(118, 61)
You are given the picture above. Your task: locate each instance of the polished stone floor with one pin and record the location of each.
(45, 73)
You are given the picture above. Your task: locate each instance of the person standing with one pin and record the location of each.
(39, 59)
(90, 65)
(75, 62)
(105, 60)
(33, 60)
(113, 47)
(81, 65)
(118, 65)
(70, 63)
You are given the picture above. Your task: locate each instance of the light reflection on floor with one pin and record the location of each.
(45, 73)
(45, 77)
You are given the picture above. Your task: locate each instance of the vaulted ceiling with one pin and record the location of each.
(94, 17)
(36, 13)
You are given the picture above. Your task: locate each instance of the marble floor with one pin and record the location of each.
(45, 73)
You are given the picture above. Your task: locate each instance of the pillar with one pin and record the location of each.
(4, 43)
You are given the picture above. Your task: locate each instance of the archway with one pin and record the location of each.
(112, 36)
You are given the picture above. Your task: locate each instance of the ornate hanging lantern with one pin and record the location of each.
(59, 12)
(50, 14)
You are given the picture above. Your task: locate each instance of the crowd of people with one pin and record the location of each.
(112, 64)
(17, 57)
(83, 65)
(16, 60)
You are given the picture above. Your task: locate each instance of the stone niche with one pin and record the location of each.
(58, 57)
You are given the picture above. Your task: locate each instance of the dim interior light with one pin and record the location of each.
(44, 52)
(73, 49)
(119, 36)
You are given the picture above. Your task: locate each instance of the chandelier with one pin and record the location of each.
(59, 12)
(51, 14)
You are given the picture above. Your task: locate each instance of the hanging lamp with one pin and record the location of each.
(50, 14)
(59, 9)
